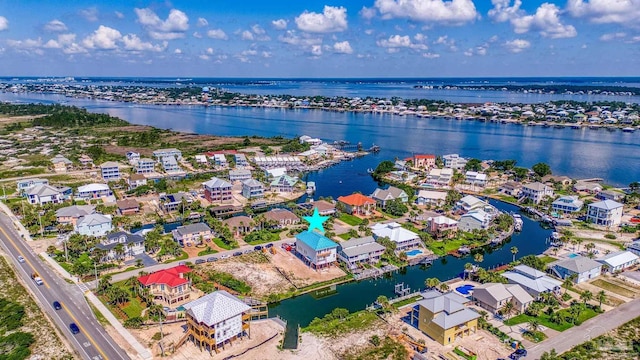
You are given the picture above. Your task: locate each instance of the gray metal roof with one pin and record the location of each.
(75, 211)
(193, 228)
(578, 264)
(359, 246)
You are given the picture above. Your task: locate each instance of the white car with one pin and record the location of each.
(20, 259)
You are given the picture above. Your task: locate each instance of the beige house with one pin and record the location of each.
(494, 296)
(192, 234)
(444, 317)
(169, 287)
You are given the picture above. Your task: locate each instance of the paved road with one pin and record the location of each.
(590, 329)
(93, 342)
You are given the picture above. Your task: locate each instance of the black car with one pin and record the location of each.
(212, 259)
(56, 305)
(268, 246)
(200, 261)
(74, 328)
(237, 253)
(257, 248)
(518, 354)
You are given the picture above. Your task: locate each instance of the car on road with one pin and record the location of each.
(249, 251)
(237, 253)
(20, 259)
(257, 248)
(200, 261)
(268, 246)
(212, 259)
(56, 305)
(74, 328)
(182, 263)
(519, 353)
(225, 256)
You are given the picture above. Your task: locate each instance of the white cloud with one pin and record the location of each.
(279, 24)
(133, 43)
(316, 50)
(438, 11)
(62, 41)
(258, 30)
(4, 23)
(174, 27)
(74, 48)
(369, 31)
(177, 51)
(396, 42)
(612, 36)
(332, 19)
(202, 22)
(217, 34)
(197, 35)
(119, 15)
(430, 55)
(625, 12)
(55, 26)
(25, 44)
(204, 57)
(342, 47)
(247, 35)
(478, 50)
(304, 40)
(503, 10)
(368, 13)
(90, 14)
(210, 51)
(517, 45)
(266, 54)
(420, 37)
(546, 20)
(104, 38)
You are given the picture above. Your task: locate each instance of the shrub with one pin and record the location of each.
(610, 236)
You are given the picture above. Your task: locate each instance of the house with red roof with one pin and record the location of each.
(425, 161)
(358, 204)
(169, 287)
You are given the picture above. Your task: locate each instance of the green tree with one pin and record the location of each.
(534, 325)
(586, 296)
(473, 165)
(520, 173)
(478, 258)
(444, 287)
(383, 301)
(541, 169)
(468, 267)
(514, 251)
(431, 283)
(508, 308)
(383, 168)
(602, 297)
(396, 207)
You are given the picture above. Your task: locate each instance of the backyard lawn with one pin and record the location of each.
(544, 320)
(546, 259)
(133, 308)
(350, 219)
(614, 288)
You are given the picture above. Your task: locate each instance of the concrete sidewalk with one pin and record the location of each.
(22, 231)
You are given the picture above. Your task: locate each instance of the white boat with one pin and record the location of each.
(629, 129)
(517, 222)
(311, 187)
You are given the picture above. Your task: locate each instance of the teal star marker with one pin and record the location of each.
(315, 221)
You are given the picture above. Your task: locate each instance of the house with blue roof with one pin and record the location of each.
(317, 250)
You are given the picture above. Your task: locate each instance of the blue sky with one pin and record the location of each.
(340, 38)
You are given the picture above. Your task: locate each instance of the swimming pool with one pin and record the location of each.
(414, 252)
(572, 255)
(464, 289)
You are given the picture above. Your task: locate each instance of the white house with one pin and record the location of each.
(316, 250)
(404, 239)
(533, 281)
(239, 174)
(605, 213)
(161, 153)
(454, 161)
(28, 184)
(132, 245)
(618, 261)
(192, 234)
(536, 191)
(439, 178)
(474, 220)
(145, 166)
(494, 296)
(93, 191)
(475, 178)
(110, 171)
(469, 203)
(429, 197)
(94, 225)
(583, 267)
(634, 247)
(44, 194)
(360, 251)
(567, 204)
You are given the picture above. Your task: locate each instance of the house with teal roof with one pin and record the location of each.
(283, 184)
(316, 250)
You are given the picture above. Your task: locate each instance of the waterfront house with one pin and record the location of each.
(442, 226)
(454, 161)
(161, 153)
(559, 179)
(324, 207)
(127, 207)
(281, 217)
(536, 192)
(169, 287)
(382, 196)
(424, 161)
(23, 186)
(404, 239)
(133, 157)
(241, 160)
(511, 188)
(474, 220)
(618, 261)
(283, 184)
(93, 191)
(44, 194)
(239, 175)
(533, 281)
(136, 180)
(610, 195)
(429, 197)
(355, 252)
(316, 250)
(494, 296)
(252, 189)
(444, 317)
(587, 186)
(310, 154)
(145, 166)
(217, 190)
(439, 178)
(567, 204)
(358, 204)
(583, 267)
(170, 164)
(240, 224)
(470, 203)
(173, 202)
(217, 319)
(192, 234)
(131, 245)
(86, 161)
(71, 214)
(94, 225)
(634, 247)
(605, 213)
(276, 172)
(474, 178)
(110, 171)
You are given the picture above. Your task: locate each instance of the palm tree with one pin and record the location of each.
(534, 325)
(431, 283)
(556, 317)
(579, 241)
(586, 297)
(133, 284)
(602, 297)
(567, 283)
(508, 308)
(468, 267)
(444, 287)
(103, 284)
(383, 301)
(478, 258)
(514, 251)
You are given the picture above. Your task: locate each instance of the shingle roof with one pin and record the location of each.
(216, 307)
(193, 228)
(316, 241)
(364, 245)
(43, 190)
(252, 183)
(93, 220)
(536, 186)
(387, 194)
(449, 310)
(75, 211)
(109, 164)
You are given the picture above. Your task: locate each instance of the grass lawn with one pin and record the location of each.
(350, 219)
(345, 236)
(207, 251)
(546, 259)
(543, 319)
(333, 327)
(614, 288)
(441, 248)
(222, 244)
(133, 308)
(183, 256)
